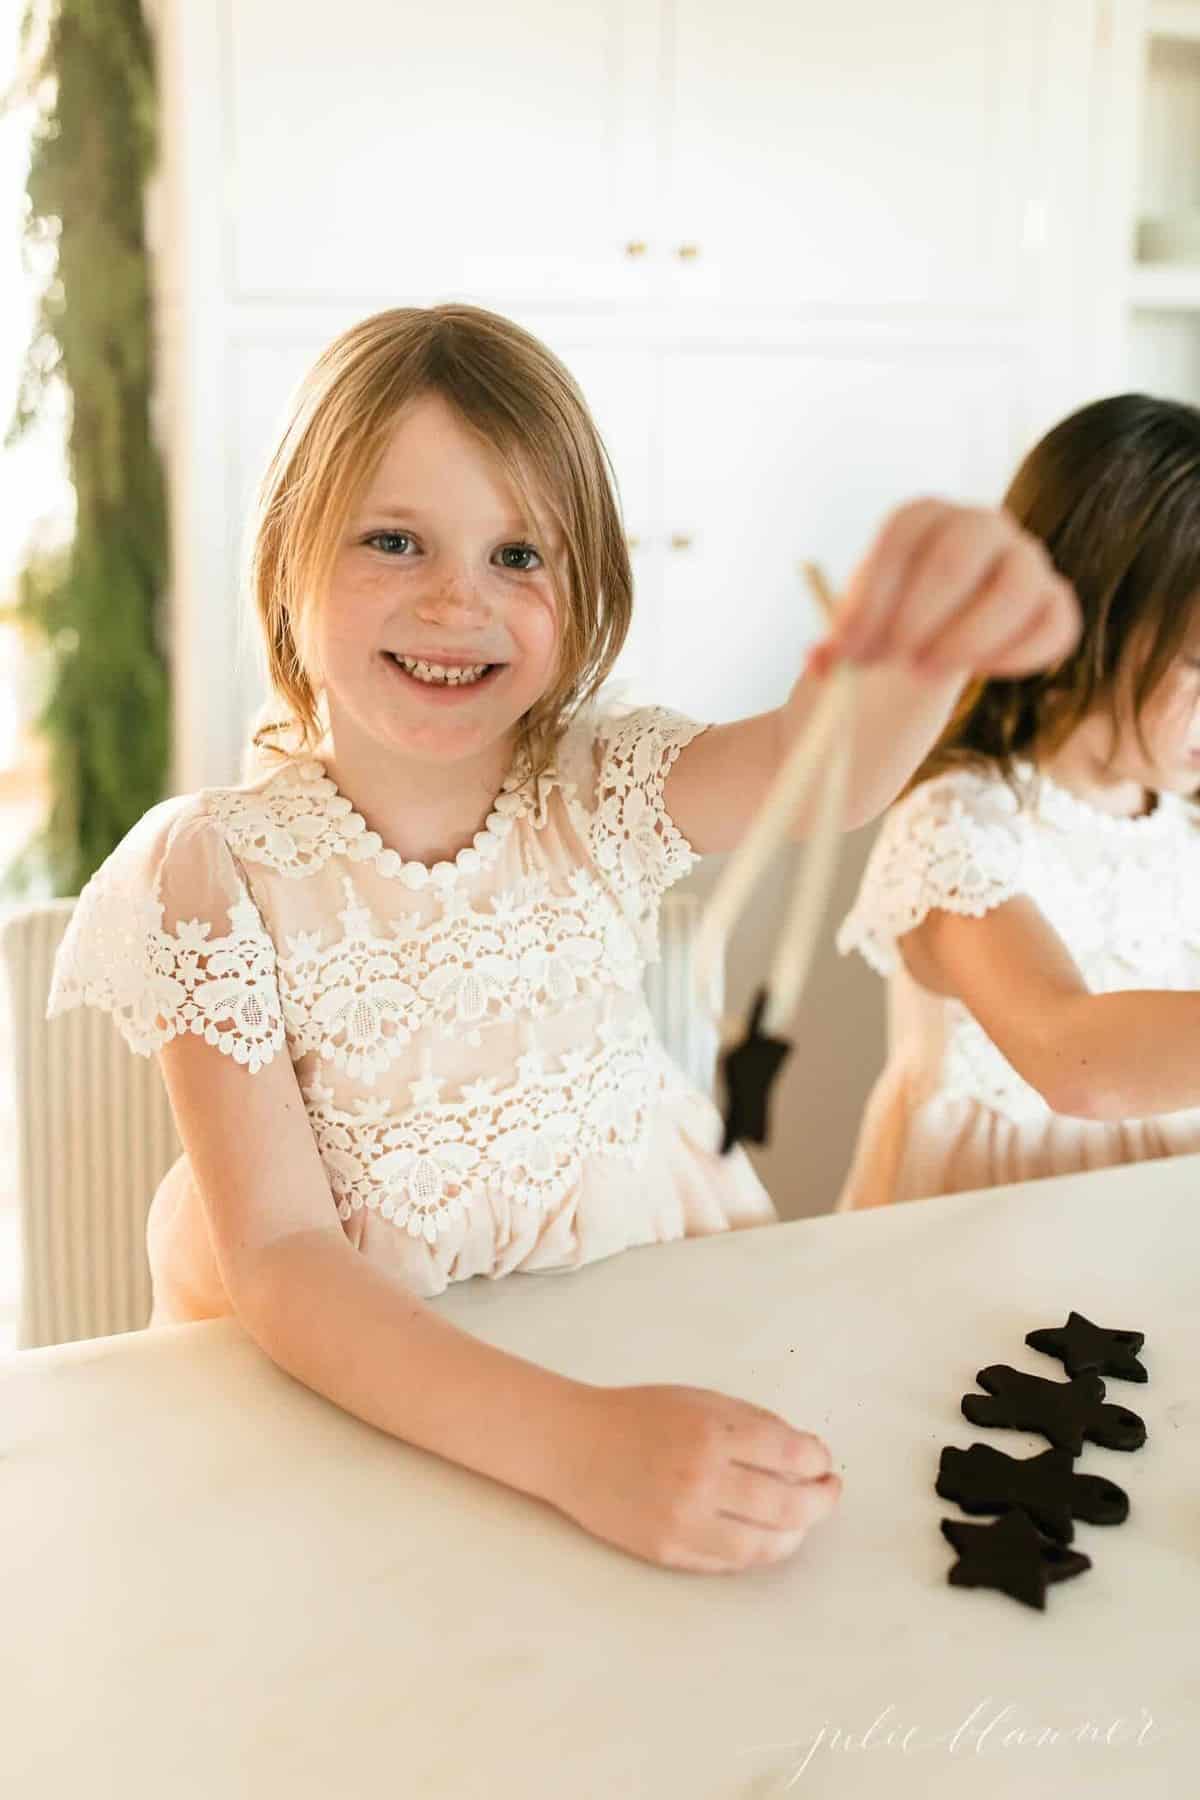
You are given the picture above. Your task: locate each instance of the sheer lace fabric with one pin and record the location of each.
(471, 1040)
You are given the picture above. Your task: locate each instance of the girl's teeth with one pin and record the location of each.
(431, 672)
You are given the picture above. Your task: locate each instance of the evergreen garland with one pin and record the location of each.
(89, 67)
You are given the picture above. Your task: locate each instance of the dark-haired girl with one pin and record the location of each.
(1034, 896)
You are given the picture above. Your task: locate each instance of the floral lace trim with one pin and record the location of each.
(935, 851)
(359, 1001)
(159, 985)
(1057, 805)
(299, 820)
(425, 1167)
(632, 837)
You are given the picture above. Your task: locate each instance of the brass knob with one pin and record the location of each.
(635, 247)
(631, 543)
(688, 252)
(681, 540)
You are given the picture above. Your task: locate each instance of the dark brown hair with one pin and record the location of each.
(1114, 494)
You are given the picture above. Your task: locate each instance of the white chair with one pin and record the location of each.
(95, 1133)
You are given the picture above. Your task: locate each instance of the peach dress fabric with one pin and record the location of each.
(472, 1040)
(949, 1113)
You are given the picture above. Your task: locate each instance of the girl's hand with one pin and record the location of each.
(954, 590)
(692, 1479)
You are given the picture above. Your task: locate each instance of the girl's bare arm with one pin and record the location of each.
(1126, 1055)
(679, 1476)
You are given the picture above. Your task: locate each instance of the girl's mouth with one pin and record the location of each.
(440, 683)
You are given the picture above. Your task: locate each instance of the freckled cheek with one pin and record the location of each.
(353, 614)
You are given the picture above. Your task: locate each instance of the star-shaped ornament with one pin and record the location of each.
(748, 1071)
(1012, 1556)
(1087, 1349)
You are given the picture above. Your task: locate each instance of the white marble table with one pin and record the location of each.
(216, 1585)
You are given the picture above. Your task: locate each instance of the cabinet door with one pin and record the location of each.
(447, 149)
(775, 457)
(861, 154)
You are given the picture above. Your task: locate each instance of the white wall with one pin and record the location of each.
(868, 271)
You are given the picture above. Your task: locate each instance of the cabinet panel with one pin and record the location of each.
(774, 458)
(455, 149)
(855, 154)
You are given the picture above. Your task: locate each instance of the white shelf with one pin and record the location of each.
(1176, 20)
(1165, 287)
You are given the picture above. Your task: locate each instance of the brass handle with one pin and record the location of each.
(631, 543)
(688, 252)
(681, 540)
(635, 247)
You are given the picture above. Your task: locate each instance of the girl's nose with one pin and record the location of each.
(454, 594)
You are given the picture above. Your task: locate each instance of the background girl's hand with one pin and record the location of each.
(951, 590)
(692, 1479)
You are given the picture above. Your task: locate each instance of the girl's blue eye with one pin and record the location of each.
(526, 550)
(387, 540)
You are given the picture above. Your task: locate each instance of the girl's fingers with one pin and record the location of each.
(765, 1501)
(999, 612)
(975, 559)
(769, 1443)
(872, 590)
(1053, 636)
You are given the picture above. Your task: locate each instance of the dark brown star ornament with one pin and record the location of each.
(748, 1071)
(1012, 1556)
(1086, 1349)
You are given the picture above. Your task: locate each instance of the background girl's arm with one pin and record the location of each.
(945, 591)
(676, 1475)
(1125, 1055)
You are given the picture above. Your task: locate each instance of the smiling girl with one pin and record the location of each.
(395, 980)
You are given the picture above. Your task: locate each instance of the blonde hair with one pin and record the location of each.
(520, 400)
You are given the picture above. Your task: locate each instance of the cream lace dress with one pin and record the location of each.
(471, 1039)
(950, 1113)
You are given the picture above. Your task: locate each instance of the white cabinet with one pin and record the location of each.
(456, 149)
(858, 154)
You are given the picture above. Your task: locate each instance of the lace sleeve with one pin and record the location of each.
(166, 938)
(956, 843)
(632, 837)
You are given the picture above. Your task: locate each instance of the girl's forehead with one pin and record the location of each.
(434, 462)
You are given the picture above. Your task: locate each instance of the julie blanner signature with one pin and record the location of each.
(990, 1728)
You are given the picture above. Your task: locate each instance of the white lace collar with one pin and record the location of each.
(1057, 805)
(297, 820)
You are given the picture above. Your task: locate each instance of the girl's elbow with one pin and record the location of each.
(1081, 1093)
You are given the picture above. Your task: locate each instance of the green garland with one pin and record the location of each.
(89, 64)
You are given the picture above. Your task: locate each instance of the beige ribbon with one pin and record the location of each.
(824, 746)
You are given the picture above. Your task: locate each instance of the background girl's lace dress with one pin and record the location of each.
(949, 1112)
(471, 1040)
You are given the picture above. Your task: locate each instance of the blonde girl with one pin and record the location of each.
(395, 979)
